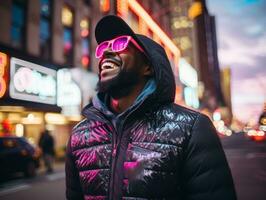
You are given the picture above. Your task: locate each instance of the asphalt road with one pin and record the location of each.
(42, 187)
(247, 160)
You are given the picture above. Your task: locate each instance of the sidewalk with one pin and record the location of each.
(59, 166)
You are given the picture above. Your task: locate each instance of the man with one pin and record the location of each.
(135, 143)
(46, 144)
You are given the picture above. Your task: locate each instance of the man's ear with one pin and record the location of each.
(148, 71)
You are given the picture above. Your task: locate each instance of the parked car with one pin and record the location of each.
(18, 155)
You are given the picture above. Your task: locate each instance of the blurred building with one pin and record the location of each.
(226, 89)
(47, 67)
(193, 31)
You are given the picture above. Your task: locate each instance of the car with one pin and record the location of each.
(255, 133)
(18, 155)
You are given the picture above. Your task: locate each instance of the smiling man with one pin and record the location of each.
(134, 142)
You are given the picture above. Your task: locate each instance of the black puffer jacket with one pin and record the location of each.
(155, 150)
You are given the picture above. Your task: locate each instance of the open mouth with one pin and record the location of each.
(109, 68)
(108, 65)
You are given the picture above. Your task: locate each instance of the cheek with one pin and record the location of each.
(129, 62)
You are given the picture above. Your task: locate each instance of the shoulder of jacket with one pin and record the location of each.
(180, 113)
(81, 125)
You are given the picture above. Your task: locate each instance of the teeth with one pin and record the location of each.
(108, 65)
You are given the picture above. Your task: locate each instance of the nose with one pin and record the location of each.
(108, 52)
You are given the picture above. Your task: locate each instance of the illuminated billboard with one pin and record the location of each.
(32, 82)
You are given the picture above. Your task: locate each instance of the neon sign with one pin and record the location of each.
(3, 63)
(32, 82)
(188, 75)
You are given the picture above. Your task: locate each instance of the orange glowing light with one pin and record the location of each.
(195, 10)
(2, 87)
(105, 5)
(141, 12)
(85, 60)
(84, 33)
(3, 63)
(122, 7)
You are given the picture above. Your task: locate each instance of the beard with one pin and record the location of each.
(119, 86)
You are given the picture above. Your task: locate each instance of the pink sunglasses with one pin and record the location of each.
(118, 44)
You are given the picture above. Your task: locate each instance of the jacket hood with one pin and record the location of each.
(163, 74)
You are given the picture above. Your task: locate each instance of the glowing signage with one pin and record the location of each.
(188, 75)
(191, 97)
(68, 92)
(3, 63)
(32, 82)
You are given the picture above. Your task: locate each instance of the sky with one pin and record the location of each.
(241, 35)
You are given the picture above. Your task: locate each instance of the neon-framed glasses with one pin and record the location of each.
(118, 44)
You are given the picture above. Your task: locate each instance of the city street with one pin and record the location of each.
(42, 187)
(247, 160)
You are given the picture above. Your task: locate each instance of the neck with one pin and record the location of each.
(119, 105)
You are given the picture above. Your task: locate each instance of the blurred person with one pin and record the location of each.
(134, 142)
(46, 144)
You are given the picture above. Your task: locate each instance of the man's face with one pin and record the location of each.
(119, 72)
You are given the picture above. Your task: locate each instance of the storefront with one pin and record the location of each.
(141, 22)
(35, 97)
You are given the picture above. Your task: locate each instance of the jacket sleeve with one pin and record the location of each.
(206, 174)
(73, 187)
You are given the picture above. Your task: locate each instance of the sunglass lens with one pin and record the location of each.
(101, 48)
(120, 44)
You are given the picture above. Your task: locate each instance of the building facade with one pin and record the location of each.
(47, 74)
(47, 67)
(193, 31)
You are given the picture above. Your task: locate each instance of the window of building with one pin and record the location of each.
(68, 22)
(45, 29)
(18, 23)
(85, 42)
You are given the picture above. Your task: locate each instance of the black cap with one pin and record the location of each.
(112, 26)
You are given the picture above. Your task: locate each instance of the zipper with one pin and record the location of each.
(115, 153)
(116, 149)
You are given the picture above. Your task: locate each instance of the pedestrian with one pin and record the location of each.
(46, 144)
(135, 142)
